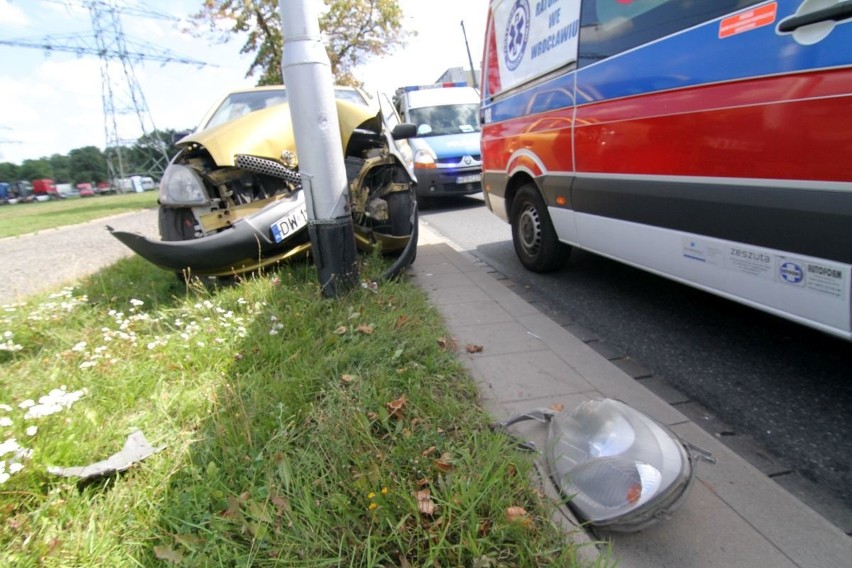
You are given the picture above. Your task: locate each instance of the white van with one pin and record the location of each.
(446, 149)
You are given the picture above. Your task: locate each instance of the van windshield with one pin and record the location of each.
(445, 119)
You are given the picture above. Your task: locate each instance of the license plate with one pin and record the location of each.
(289, 225)
(469, 179)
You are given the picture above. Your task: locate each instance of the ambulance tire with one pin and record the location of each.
(533, 234)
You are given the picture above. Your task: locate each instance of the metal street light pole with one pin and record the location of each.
(313, 111)
(469, 58)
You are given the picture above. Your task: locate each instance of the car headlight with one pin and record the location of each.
(181, 185)
(621, 469)
(424, 159)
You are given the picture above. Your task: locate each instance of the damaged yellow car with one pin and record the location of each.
(231, 199)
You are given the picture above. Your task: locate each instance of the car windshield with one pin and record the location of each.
(240, 104)
(445, 119)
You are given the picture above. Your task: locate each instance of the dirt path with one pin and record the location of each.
(48, 259)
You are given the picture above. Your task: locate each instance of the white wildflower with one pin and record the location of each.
(81, 346)
(5, 421)
(31, 430)
(6, 407)
(9, 446)
(55, 401)
(136, 302)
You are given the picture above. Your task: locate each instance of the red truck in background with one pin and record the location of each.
(44, 189)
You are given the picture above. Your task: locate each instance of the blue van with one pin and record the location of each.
(446, 151)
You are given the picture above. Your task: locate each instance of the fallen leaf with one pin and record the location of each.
(448, 344)
(428, 451)
(557, 407)
(168, 554)
(471, 348)
(341, 330)
(424, 502)
(395, 406)
(445, 462)
(401, 322)
(347, 378)
(365, 329)
(518, 515)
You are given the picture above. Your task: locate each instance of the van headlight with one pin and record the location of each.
(181, 185)
(621, 469)
(424, 159)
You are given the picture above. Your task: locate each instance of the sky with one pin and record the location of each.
(51, 102)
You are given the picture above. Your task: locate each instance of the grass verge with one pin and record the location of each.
(22, 218)
(298, 431)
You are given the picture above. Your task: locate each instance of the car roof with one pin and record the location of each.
(203, 123)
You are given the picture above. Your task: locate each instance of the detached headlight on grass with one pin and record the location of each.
(181, 185)
(619, 469)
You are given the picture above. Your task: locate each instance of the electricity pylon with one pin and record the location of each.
(122, 98)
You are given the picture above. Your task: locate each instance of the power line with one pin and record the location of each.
(121, 93)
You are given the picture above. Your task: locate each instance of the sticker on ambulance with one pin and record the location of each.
(748, 20)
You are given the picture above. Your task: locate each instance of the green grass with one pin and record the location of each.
(298, 431)
(22, 218)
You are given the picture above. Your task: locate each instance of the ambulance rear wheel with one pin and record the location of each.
(533, 234)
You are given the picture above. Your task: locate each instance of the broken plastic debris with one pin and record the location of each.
(135, 449)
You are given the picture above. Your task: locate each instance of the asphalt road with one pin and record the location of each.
(47, 259)
(776, 392)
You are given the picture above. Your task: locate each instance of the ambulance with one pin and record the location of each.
(446, 148)
(707, 141)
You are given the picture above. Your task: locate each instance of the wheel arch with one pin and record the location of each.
(518, 180)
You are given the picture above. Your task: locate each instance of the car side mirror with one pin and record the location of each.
(404, 130)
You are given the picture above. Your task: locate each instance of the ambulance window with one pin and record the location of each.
(609, 27)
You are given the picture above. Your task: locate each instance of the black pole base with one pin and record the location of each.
(334, 252)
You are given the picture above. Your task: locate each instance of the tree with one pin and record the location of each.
(36, 169)
(9, 172)
(87, 164)
(354, 30)
(61, 166)
(150, 147)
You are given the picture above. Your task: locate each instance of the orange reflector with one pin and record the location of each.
(488, 187)
(634, 492)
(561, 201)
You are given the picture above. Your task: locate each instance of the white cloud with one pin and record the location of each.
(11, 14)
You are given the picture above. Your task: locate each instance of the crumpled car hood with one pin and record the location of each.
(267, 132)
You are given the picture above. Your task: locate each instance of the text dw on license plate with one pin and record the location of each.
(289, 224)
(469, 179)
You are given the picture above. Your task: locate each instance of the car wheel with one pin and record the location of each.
(176, 224)
(399, 213)
(533, 234)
